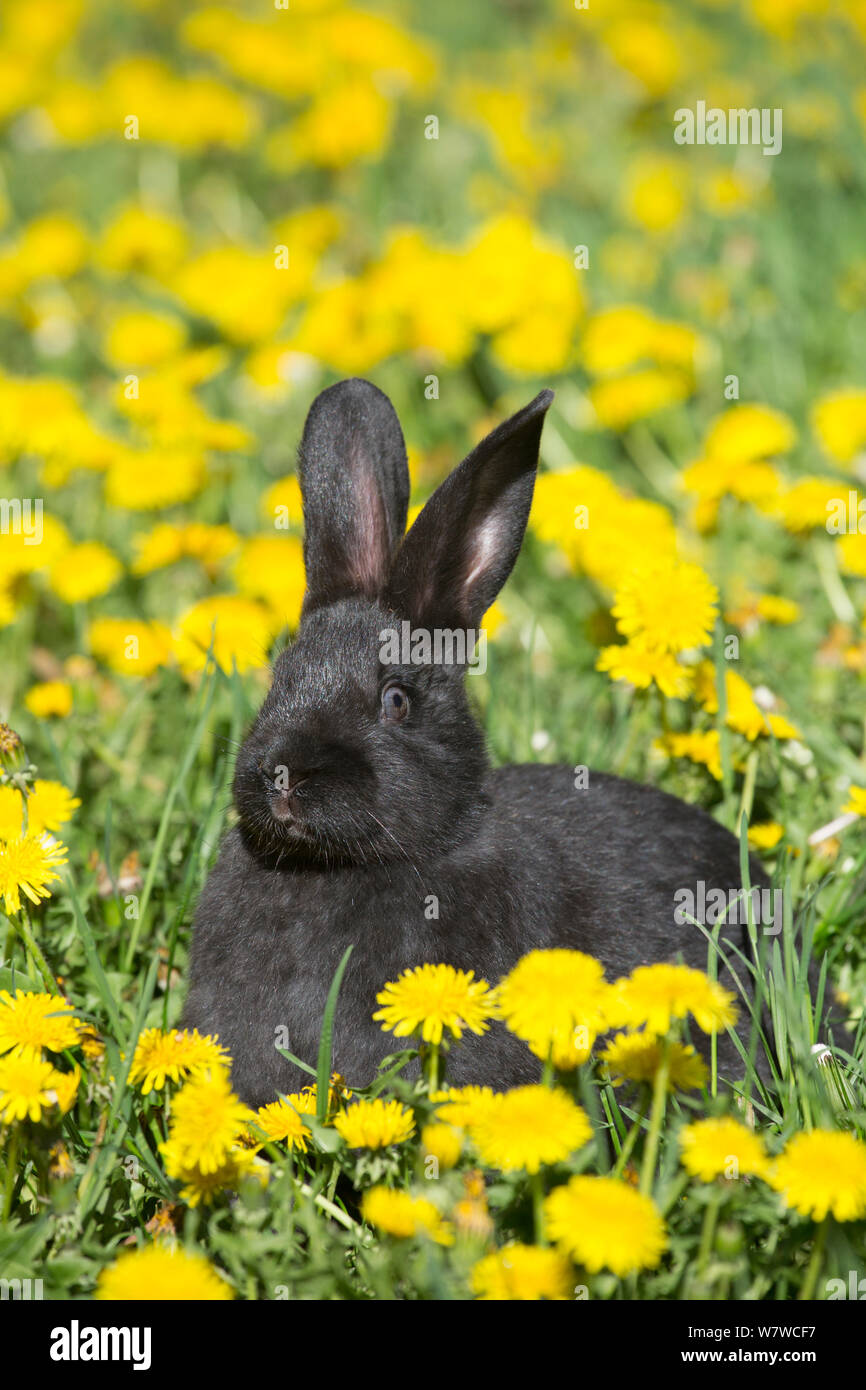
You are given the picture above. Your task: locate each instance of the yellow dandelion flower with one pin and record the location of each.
(749, 480)
(49, 699)
(33, 1022)
(207, 1120)
(402, 1215)
(522, 1273)
(345, 122)
(641, 666)
(168, 542)
(494, 620)
(852, 553)
(633, 533)
(603, 1224)
(142, 481)
(699, 747)
(554, 1000)
(619, 401)
(66, 1088)
(766, 834)
(20, 556)
(92, 1045)
(11, 813)
(154, 549)
(666, 606)
(139, 241)
(27, 1087)
(142, 338)
(528, 1127)
(432, 998)
(443, 1143)
(722, 1148)
(808, 504)
(617, 338)
(239, 630)
(271, 568)
(27, 864)
(775, 609)
(823, 1172)
(654, 193)
(130, 646)
(839, 420)
(374, 1124)
(201, 1186)
(706, 692)
(282, 505)
(653, 996)
(49, 806)
(282, 1120)
(53, 245)
(463, 1105)
(84, 572)
(856, 803)
(647, 50)
(746, 716)
(749, 431)
(159, 1057)
(249, 281)
(162, 1272)
(637, 1057)
(563, 500)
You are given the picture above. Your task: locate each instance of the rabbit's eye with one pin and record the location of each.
(395, 704)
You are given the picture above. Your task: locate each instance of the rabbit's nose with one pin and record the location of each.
(284, 804)
(286, 781)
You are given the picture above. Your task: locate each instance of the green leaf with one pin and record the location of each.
(326, 1039)
(13, 979)
(290, 1057)
(326, 1137)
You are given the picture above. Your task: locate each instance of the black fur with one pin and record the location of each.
(376, 817)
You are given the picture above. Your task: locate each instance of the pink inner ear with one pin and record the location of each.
(371, 542)
(482, 552)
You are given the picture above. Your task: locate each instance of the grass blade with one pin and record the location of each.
(326, 1039)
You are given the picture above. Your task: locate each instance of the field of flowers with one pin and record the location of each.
(209, 212)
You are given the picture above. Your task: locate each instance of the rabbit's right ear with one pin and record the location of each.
(355, 486)
(462, 547)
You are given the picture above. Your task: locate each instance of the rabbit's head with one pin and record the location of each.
(365, 748)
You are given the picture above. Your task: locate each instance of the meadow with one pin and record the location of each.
(208, 214)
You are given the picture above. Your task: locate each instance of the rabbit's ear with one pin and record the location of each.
(355, 487)
(464, 543)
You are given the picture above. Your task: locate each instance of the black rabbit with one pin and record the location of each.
(368, 813)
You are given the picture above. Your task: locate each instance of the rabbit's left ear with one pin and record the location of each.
(355, 488)
(464, 543)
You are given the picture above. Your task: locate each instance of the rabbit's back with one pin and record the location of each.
(630, 859)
